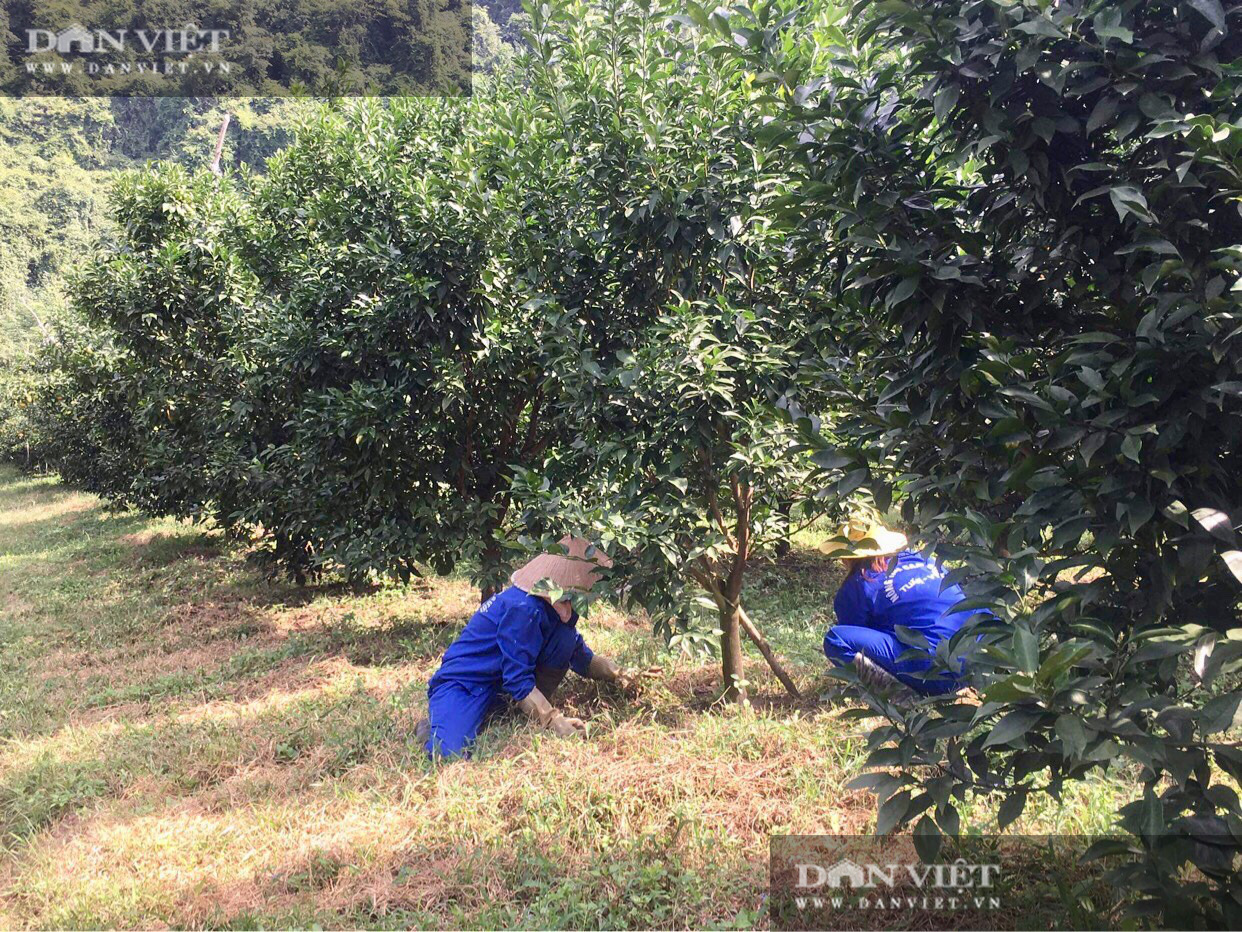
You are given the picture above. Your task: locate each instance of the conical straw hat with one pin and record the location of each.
(873, 541)
(577, 570)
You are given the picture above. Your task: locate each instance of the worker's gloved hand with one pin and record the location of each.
(536, 706)
(565, 727)
(629, 678)
(602, 668)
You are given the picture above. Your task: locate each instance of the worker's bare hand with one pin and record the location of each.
(630, 679)
(565, 727)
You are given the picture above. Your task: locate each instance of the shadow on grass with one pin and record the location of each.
(325, 733)
(64, 534)
(14, 484)
(164, 549)
(387, 644)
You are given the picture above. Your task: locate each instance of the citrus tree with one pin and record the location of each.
(71, 409)
(446, 279)
(158, 313)
(1028, 217)
(349, 355)
(678, 455)
(689, 471)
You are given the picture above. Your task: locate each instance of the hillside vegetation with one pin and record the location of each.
(58, 160)
(60, 156)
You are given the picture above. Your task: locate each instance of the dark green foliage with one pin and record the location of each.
(678, 458)
(994, 245)
(451, 285)
(58, 159)
(392, 385)
(173, 298)
(1032, 221)
(446, 281)
(69, 408)
(687, 469)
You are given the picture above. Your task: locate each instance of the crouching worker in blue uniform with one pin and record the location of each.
(517, 648)
(887, 585)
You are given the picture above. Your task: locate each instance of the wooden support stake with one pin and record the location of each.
(215, 159)
(766, 649)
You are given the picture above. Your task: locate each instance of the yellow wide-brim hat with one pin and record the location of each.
(576, 570)
(863, 542)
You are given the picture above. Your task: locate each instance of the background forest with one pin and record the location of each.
(60, 156)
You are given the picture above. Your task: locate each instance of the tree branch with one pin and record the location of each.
(704, 580)
(713, 507)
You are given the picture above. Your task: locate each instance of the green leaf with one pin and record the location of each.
(1026, 648)
(911, 638)
(1233, 560)
(1177, 512)
(1011, 808)
(1015, 688)
(892, 812)
(882, 784)
(946, 99)
(1073, 734)
(1012, 727)
(927, 839)
(1212, 11)
(1152, 823)
(1128, 199)
(948, 819)
(1107, 847)
(1091, 445)
(1040, 26)
(904, 289)
(1215, 522)
(832, 459)
(1115, 32)
(1220, 714)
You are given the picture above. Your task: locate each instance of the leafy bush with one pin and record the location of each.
(172, 297)
(1032, 222)
(688, 469)
(444, 277)
(676, 454)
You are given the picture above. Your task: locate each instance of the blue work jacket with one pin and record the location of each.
(503, 643)
(909, 594)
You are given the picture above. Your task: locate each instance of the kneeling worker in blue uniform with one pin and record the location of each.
(517, 648)
(887, 585)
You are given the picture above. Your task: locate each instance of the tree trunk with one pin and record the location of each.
(731, 652)
(490, 559)
(785, 508)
